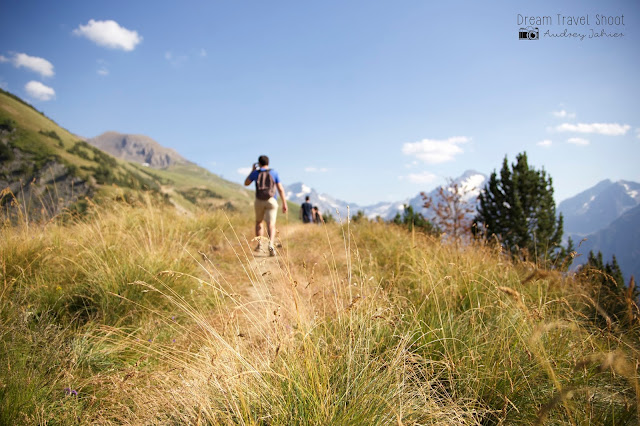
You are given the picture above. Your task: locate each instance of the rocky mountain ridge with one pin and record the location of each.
(137, 148)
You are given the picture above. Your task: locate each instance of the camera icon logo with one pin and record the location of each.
(529, 33)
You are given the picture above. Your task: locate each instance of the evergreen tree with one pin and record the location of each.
(328, 217)
(413, 220)
(616, 299)
(519, 209)
(359, 217)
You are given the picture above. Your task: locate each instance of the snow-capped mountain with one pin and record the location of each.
(297, 192)
(471, 182)
(597, 207)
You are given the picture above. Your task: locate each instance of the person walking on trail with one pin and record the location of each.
(306, 211)
(317, 217)
(266, 204)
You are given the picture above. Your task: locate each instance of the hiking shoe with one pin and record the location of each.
(258, 247)
(272, 251)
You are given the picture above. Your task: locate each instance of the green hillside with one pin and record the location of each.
(47, 167)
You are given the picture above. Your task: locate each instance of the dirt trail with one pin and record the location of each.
(272, 303)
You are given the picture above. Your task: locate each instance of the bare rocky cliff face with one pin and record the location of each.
(34, 189)
(138, 148)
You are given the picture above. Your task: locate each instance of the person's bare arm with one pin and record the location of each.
(282, 196)
(248, 181)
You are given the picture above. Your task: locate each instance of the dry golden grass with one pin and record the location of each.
(153, 317)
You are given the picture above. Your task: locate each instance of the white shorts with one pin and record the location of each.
(266, 210)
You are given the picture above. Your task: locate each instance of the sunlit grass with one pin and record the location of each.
(142, 315)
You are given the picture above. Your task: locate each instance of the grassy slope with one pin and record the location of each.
(182, 183)
(155, 317)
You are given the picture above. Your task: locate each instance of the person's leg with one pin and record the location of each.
(272, 233)
(270, 215)
(260, 211)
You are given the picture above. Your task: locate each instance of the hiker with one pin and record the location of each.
(266, 204)
(317, 217)
(306, 211)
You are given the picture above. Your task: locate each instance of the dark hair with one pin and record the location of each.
(315, 207)
(263, 160)
(306, 198)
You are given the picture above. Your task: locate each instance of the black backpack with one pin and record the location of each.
(265, 185)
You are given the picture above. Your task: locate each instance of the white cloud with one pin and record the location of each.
(638, 133)
(433, 151)
(316, 169)
(244, 170)
(32, 63)
(611, 129)
(203, 53)
(564, 114)
(545, 143)
(103, 71)
(109, 34)
(578, 141)
(39, 91)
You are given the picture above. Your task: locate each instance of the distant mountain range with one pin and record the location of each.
(597, 207)
(470, 181)
(608, 217)
(138, 148)
(622, 238)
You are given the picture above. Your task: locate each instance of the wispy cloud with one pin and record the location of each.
(578, 141)
(109, 34)
(316, 169)
(244, 171)
(564, 114)
(545, 143)
(102, 67)
(39, 91)
(638, 133)
(433, 151)
(420, 178)
(610, 129)
(32, 63)
(175, 60)
(203, 53)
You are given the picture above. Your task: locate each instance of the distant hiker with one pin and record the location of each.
(317, 217)
(306, 211)
(266, 205)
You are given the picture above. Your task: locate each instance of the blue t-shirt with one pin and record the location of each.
(254, 175)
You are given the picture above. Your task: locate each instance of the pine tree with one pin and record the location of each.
(620, 302)
(412, 220)
(519, 209)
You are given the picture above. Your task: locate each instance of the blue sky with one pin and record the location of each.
(365, 100)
